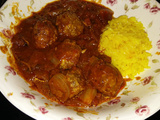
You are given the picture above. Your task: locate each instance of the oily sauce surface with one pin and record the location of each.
(56, 52)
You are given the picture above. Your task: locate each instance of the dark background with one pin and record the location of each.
(8, 111)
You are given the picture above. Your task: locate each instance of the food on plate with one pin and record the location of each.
(126, 42)
(68, 53)
(105, 78)
(45, 33)
(56, 52)
(69, 24)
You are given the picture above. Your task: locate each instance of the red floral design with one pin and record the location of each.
(11, 70)
(7, 33)
(135, 99)
(68, 118)
(112, 2)
(147, 6)
(43, 110)
(27, 95)
(114, 101)
(133, 1)
(146, 80)
(154, 9)
(142, 110)
(158, 44)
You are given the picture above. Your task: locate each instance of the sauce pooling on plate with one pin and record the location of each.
(56, 52)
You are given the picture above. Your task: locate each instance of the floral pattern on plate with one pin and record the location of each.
(142, 110)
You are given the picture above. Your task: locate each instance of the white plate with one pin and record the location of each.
(140, 98)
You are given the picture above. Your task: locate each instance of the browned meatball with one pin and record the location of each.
(66, 86)
(45, 33)
(106, 78)
(69, 24)
(68, 53)
(75, 82)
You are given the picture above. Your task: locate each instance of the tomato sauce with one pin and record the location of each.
(56, 52)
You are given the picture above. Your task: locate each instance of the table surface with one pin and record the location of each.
(15, 114)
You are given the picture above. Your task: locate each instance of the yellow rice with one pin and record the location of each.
(126, 42)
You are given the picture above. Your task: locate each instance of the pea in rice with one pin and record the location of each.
(126, 42)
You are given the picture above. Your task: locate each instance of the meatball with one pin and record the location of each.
(68, 53)
(66, 86)
(106, 78)
(69, 24)
(75, 82)
(45, 33)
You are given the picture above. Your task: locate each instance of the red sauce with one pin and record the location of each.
(138, 78)
(127, 79)
(3, 49)
(56, 52)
